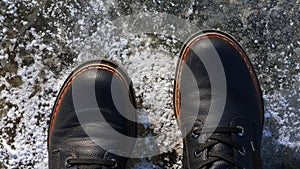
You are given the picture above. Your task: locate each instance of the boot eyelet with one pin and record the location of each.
(194, 134)
(242, 151)
(67, 164)
(197, 153)
(242, 133)
(115, 163)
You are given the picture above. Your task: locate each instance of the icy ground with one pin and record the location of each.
(42, 41)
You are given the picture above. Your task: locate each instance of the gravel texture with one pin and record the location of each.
(42, 41)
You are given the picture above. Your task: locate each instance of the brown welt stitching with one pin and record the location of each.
(70, 80)
(185, 51)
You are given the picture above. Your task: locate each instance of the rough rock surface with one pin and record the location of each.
(42, 41)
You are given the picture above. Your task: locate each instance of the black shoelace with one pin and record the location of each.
(91, 161)
(214, 140)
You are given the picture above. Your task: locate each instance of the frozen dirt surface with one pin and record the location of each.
(42, 41)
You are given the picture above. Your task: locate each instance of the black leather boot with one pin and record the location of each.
(94, 103)
(218, 104)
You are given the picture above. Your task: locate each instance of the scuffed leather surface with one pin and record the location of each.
(68, 139)
(242, 105)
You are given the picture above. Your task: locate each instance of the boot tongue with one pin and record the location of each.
(222, 149)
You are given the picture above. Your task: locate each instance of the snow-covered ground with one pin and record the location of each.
(42, 41)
